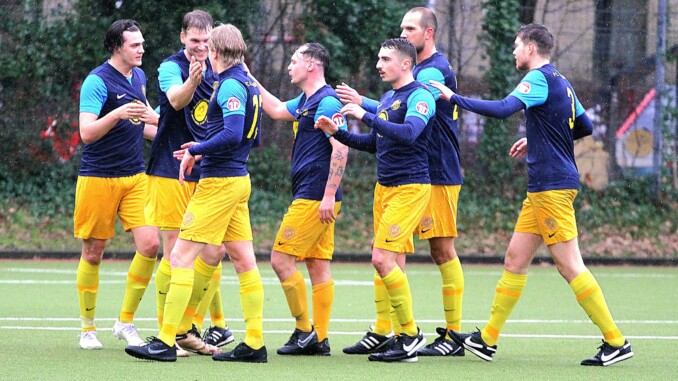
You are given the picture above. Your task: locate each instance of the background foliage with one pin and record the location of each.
(44, 58)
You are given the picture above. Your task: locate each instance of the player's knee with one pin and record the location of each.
(149, 246)
(93, 250)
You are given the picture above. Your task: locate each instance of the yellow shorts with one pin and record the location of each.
(98, 200)
(549, 214)
(167, 201)
(397, 213)
(218, 211)
(301, 233)
(440, 216)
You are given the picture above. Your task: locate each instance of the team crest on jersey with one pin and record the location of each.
(303, 113)
(383, 114)
(524, 88)
(421, 108)
(551, 223)
(395, 105)
(338, 119)
(394, 230)
(288, 233)
(135, 121)
(199, 113)
(233, 103)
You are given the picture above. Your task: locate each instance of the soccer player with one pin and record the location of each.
(554, 118)
(186, 83)
(114, 119)
(399, 133)
(218, 213)
(307, 230)
(438, 225)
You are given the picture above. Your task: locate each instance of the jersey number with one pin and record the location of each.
(256, 101)
(570, 95)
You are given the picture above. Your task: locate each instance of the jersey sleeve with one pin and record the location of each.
(421, 104)
(370, 105)
(232, 98)
(532, 90)
(169, 74)
(93, 94)
(431, 73)
(329, 107)
(293, 104)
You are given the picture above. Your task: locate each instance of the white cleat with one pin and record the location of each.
(127, 332)
(89, 340)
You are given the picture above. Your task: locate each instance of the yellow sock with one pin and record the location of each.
(87, 280)
(211, 300)
(322, 297)
(509, 289)
(397, 329)
(382, 301)
(252, 302)
(181, 287)
(590, 298)
(295, 292)
(138, 276)
(453, 293)
(401, 299)
(162, 283)
(201, 281)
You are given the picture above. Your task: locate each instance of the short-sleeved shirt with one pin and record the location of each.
(312, 151)
(119, 152)
(443, 151)
(176, 127)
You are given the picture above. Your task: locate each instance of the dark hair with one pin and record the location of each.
(539, 35)
(197, 19)
(428, 18)
(113, 37)
(402, 46)
(316, 51)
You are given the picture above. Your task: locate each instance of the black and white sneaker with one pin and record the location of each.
(404, 349)
(370, 343)
(473, 342)
(299, 342)
(442, 346)
(217, 336)
(321, 348)
(155, 350)
(608, 355)
(243, 353)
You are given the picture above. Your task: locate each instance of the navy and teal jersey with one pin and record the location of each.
(551, 107)
(399, 135)
(176, 127)
(232, 127)
(119, 152)
(443, 151)
(312, 151)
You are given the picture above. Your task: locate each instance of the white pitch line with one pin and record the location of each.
(358, 333)
(344, 320)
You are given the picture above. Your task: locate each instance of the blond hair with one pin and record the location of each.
(227, 41)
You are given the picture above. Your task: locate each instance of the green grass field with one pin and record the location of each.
(547, 336)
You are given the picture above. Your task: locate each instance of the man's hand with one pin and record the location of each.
(326, 210)
(150, 116)
(195, 72)
(187, 160)
(327, 125)
(354, 110)
(445, 92)
(519, 148)
(348, 95)
(132, 110)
